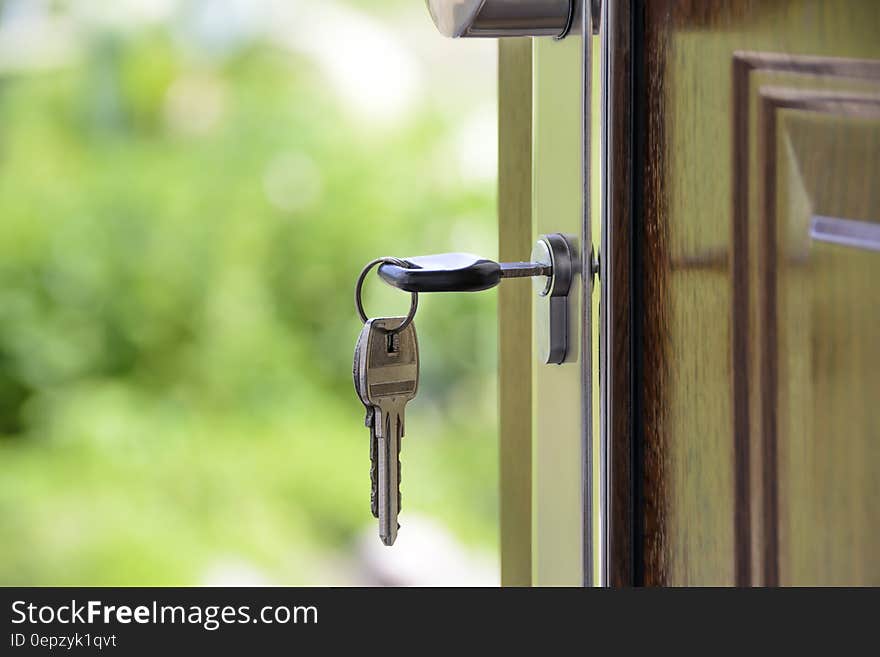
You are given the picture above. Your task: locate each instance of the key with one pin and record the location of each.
(389, 380)
(456, 272)
(368, 420)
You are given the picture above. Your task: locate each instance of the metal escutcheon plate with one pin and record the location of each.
(552, 309)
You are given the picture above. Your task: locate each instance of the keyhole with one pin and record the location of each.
(392, 343)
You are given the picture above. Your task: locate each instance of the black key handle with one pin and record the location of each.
(455, 272)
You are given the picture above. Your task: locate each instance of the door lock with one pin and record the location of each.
(553, 266)
(551, 313)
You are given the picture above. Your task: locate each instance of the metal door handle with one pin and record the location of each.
(504, 18)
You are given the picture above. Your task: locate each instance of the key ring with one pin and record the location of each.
(414, 305)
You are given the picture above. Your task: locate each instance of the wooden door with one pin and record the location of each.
(741, 307)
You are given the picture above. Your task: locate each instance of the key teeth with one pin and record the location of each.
(374, 497)
(374, 474)
(374, 478)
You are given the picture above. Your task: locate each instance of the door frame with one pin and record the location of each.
(548, 484)
(622, 453)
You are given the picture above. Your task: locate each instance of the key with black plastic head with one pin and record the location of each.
(456, 272)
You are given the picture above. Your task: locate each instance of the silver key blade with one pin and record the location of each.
(390, 380)
(389, 478)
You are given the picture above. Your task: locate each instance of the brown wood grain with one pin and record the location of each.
(764, 540)
(784, 394)
(728, 375)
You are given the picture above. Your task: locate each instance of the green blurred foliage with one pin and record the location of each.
(175, 349)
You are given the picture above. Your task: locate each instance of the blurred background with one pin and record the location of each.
(188, 190)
